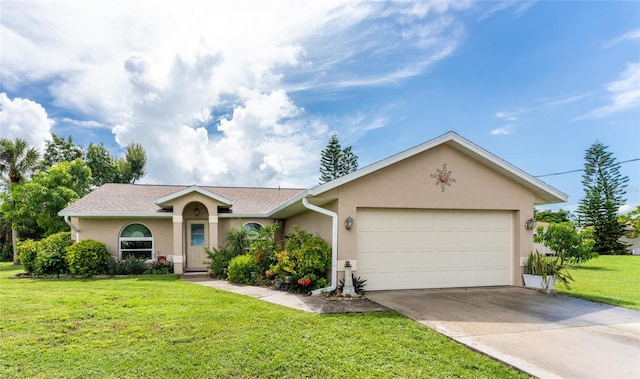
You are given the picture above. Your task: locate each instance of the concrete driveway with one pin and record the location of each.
(545, 335)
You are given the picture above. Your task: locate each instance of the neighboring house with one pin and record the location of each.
(539, 247)
(633, 243)
(446, 213)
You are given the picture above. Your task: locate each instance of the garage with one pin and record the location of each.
(417, 248)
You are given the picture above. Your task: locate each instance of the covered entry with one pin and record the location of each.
(411, 248)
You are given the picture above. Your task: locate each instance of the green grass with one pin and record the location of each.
(610, 279)
(158, 326)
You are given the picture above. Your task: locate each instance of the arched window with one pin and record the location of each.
(252, 227)
(136, 241)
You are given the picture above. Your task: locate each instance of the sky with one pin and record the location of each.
(248, 93)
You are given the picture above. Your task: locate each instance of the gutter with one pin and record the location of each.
(73, 227)
(334, 245)
(68, 221)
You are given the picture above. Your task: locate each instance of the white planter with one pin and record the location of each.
(537, 281)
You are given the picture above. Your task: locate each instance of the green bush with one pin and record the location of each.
(128, 266)
(241, 267)
(219, 261)
(27, 252)
(265, 247)
(6, 253)
(51, 258)
(569, 244)
(306, 256)
(87, 258)
(160, 266)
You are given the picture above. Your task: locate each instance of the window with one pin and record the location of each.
(136, 241)
(197, 234)
(253, 228)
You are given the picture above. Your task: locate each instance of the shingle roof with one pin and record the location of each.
(130, 199)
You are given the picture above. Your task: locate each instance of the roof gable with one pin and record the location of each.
(166, 200)
(543, 191)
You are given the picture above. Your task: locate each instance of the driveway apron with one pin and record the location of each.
(545, 335)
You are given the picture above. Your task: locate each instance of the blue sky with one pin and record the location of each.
(249, 93)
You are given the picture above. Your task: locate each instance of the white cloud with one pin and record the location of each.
(625, 93)
(89, 124)
(632, 35)
(626, 208)
(502, 131)
(519, 8)
(161, 75)
(566, 99)
(509, 116)
(25, 119)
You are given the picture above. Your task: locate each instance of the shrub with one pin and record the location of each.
(570, 245)
(265, 247)
(51, 258)
(87, 258)
(128, 266)
(160, 266)
(241, 267)
(6, 253)
(27, 252)
(219, 261)
(306, 256)
(358, 285)
(238, 241)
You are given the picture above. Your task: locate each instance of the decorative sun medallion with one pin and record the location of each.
(443, 177)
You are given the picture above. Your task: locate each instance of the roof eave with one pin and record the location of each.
(116, 214)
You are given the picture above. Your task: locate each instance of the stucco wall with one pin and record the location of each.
(108, 230)
(314, 222)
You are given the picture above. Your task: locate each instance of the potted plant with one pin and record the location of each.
(542, 272)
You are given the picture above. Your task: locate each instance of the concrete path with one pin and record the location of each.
(545, 335)
(287, 299)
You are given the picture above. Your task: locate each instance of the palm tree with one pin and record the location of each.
(17, 159)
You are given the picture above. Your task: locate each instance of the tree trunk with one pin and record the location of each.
(14, 241)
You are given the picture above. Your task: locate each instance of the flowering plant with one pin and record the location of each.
(304, 282)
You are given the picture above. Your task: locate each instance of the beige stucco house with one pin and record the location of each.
(446, 213)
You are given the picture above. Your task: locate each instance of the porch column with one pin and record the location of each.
(213, 232)
(178, 253)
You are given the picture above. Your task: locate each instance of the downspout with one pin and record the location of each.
(75, 229)
(334, 245)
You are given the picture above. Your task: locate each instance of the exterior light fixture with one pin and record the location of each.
(530, 224)
(348, 223)
(196, 211)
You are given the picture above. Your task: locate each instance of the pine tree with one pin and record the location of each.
(348, 162)
(336, 162)
(604, 189)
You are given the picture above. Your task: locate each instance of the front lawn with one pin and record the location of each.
(611, 279)
(158, 326)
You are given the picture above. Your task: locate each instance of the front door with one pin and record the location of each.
(197, 239)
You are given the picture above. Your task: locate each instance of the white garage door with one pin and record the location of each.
(410, 249)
